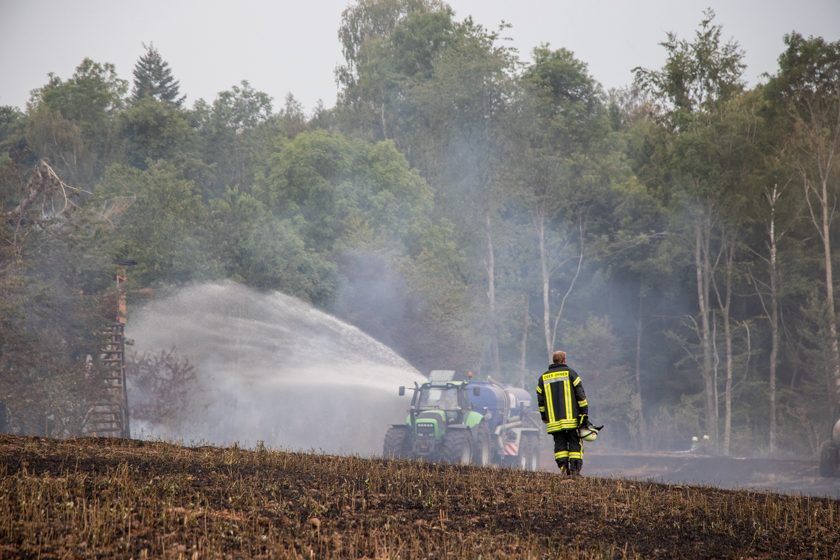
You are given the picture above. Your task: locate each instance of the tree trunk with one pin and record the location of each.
(490, 268)
(702, 267)
(774, 315)
(727, 334)
(827, 210)
(639, 326)
(724, 301)
(571, 287)
(382, 121)
(821, 136)
(546, 285)
(526, 321)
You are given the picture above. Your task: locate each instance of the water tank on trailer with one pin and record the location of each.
(492, 399)
(520, 397)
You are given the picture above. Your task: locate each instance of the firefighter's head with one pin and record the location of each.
(559, 357)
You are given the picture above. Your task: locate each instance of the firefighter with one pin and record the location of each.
(564, 409)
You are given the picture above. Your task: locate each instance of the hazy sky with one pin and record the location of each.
(286, 46)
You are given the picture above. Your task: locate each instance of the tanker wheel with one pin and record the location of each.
(396, 439)
(457, 447)
(829, 460)
(483, 455)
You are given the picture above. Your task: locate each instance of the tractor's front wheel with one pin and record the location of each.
(457, 447)
(396, 442)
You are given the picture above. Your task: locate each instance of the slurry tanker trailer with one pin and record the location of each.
(467, 422)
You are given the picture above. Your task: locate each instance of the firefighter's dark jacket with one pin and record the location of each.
(561, 398)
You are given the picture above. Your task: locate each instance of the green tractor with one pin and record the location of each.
(440, 424)
(464, 422)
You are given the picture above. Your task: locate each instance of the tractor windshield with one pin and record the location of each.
(438, 397)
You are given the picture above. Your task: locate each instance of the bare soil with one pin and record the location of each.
(106, 498)
(787, 476)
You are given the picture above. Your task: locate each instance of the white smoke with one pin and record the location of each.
(272, 368)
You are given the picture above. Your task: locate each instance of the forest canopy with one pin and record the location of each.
(470, 206)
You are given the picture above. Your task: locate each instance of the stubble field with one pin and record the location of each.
(101, 498)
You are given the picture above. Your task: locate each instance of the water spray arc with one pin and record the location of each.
(273, 368)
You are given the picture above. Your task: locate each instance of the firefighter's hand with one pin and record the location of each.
(583, 421)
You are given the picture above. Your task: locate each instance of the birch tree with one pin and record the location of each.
(697, 79)
(561, 123)
(808, 86)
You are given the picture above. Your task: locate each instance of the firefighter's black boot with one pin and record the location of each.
(575, 465)
(563, 466)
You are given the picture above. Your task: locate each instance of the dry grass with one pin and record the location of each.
(97, 498)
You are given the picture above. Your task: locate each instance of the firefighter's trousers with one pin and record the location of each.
(568, 450)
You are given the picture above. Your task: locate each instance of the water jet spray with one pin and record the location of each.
(273, 368)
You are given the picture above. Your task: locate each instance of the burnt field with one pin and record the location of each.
(98, 498)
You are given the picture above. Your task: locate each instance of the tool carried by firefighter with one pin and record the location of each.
(589, 433)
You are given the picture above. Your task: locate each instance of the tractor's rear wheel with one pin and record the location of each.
(396, 442)
(483, 455)
(829, 460)
(457, 447)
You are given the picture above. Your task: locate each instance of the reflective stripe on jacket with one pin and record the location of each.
(561, 398)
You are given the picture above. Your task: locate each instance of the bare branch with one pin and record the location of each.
(571, 284)
(43, 183)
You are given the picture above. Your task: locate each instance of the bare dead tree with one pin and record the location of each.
(161, 384)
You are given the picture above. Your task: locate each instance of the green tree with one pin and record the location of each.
(367, 22)
(607, 379)
(806, 90)
(698, 78)
(153, 130)
(349, 192)
(236, 135)
(462, 108)
(73, 122)
(165, 229)
(153, 78)
(390, 47)
(361, 208)
(292, 117)
(14, 153)
(54, 270)
(559, 130)
(266, 252)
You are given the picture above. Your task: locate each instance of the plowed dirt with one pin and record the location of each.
(105, 498)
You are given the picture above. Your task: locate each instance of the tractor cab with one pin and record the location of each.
(442, 393)
(439, 396)
(447, 398)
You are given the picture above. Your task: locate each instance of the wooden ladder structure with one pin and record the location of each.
(108, 411)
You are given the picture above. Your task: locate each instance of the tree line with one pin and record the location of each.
(468, 206)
